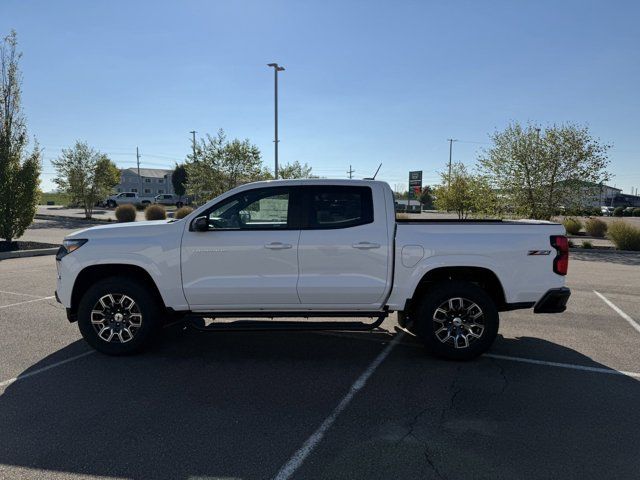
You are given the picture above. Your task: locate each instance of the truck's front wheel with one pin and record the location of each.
(457, 320)
(118, 317)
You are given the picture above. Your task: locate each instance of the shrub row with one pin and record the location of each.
(623, 212)
(127, 213)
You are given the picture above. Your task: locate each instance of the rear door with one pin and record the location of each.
(343, 254)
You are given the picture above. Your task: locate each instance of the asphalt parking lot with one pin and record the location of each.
(557, 397)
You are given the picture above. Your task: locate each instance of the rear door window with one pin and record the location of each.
(336, 206)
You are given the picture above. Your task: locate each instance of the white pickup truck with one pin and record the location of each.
(128, 198)
(310, 248)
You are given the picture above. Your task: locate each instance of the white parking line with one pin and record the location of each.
(23, 294)
(299, 457)
(571, 366)
(27, 301)
(615, 308)
(44, 369)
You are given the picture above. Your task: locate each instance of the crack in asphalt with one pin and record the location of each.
(412, 426)
(427, 456)
(505, 380)
(454, 391)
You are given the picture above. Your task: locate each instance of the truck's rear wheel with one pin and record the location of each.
(118, 317)
(457, 321)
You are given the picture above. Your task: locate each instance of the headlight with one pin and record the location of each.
(69, 246)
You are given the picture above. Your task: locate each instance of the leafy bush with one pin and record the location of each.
(572, 225)
(624, 236)
(595, 227)
(587, 244)
(618, 211)
(636, 212)
(126, 213)
(592, 212)
(155, 212)
(182, 212)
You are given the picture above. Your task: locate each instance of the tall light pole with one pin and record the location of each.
(193, 143)
(450, 140)
(276, 68)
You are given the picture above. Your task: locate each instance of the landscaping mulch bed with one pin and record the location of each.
(20, 245)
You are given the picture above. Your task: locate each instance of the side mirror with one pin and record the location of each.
(201, 224)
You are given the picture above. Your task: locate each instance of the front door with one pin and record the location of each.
(249, 256)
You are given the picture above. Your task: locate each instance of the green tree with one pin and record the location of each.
(179, 179)
(86, 175)
(19, 170)
(537, 170)
(221, 165)
(294, 170)
(464, 193)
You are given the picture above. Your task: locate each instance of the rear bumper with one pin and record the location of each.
(554, 301)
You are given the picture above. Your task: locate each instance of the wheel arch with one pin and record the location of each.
(92, 273)
(481, 276)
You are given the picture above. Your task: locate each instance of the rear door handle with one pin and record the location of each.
(277, 246)
(365, 245)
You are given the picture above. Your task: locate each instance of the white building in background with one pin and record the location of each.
(152, 181)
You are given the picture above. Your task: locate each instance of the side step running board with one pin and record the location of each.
(283, 325)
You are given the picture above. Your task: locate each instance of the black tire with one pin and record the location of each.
(179, 204)
(456, 318)
(146, 305)
(111, 204)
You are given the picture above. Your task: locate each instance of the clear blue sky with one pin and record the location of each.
(365, 81)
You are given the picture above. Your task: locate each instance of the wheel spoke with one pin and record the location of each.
(455, 322)
(116, 317)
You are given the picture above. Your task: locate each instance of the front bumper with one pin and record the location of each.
(554, 301)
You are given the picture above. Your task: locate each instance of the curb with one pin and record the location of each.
(28, 253)
(41, 216)
(604, 251)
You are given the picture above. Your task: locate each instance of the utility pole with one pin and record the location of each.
(193, 143)
(351, 171)
(139, 177)
(276, 68)
(450, 140)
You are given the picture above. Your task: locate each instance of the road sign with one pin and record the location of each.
(415, 184)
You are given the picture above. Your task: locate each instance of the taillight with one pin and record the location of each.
(561, 262)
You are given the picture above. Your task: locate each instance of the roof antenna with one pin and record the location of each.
(375, 174)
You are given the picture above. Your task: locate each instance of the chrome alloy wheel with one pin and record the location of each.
(459, 322)
(116, 318)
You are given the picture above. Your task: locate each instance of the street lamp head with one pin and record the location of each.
(276, 66)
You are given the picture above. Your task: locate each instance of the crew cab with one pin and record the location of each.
(310, 248)
(128, 198)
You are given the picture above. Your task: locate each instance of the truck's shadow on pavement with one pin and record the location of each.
(238, 405)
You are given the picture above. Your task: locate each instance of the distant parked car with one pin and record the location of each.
(127, 197)
(171, 199)
(606, 211)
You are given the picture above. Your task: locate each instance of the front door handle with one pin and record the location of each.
(277, 246)
(365, 245)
